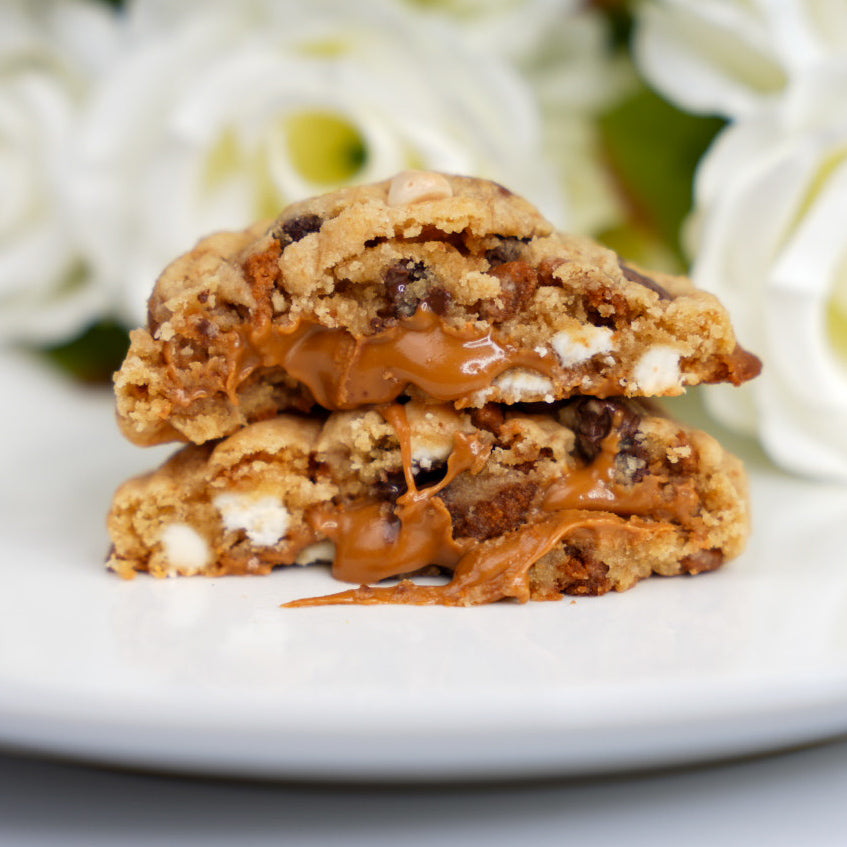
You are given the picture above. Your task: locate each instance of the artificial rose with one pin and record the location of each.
(770, 202)
(730, 57)
(771, 206)
(50, 51)
(563, 48)
(221, 112)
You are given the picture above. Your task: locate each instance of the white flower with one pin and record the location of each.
(221, 112)
(731, 57)
(49, 52)
(564, 50)
(576, 77)
(770, 204)
(771, 213)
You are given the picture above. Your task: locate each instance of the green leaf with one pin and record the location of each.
(94, 355)
(652, 149)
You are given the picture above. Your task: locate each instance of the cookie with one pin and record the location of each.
(443, 288)
(578, 497)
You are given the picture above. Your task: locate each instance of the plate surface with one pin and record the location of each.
(211, 676)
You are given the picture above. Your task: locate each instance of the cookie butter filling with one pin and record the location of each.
(345, 371)
(463, 365)
(374, 540)
(530, 502)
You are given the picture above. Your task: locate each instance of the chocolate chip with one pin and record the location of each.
(392, 486)
(402, 302)
(518, 281)
(633, 276)
(632, 461)
(238, 311)
(738, 367)
(206, 328)
(604, 305)
(296, 228)
(439, 300)
(592, 421)
(507, 250)
(490, 417)
(596, 318)
(426, 477)
(546, 269)
(702, 561)
(153, 321)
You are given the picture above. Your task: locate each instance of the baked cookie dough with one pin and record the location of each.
(578, 497)
(443, 288)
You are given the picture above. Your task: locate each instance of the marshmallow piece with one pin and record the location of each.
(265, 520)
(185, 549)
(657, 371)
(415, 186)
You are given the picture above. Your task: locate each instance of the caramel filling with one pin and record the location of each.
(374, 542)
(345, 371)
(594, 487)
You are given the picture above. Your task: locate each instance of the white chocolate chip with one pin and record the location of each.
(265, 520)
(414, 186)
(185, 549)
(573, 348)
(320, 551)
(657, 371)
(432, 430)
(516, 385)
(427, 452)
(480, 398)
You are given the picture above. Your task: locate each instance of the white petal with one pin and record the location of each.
(708, 56)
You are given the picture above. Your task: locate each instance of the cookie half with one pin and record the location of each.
(448, 288)
(590, 495)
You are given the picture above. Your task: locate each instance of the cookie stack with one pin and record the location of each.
(422, 375)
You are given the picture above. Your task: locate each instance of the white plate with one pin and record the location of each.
(211, 676)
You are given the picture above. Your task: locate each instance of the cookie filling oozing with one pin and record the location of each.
(345, 371)
(529, 502)
(375, 541)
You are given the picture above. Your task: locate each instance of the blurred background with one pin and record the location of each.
(696, 136)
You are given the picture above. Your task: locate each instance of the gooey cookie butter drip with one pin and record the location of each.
(374, 542)
(345, 371)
